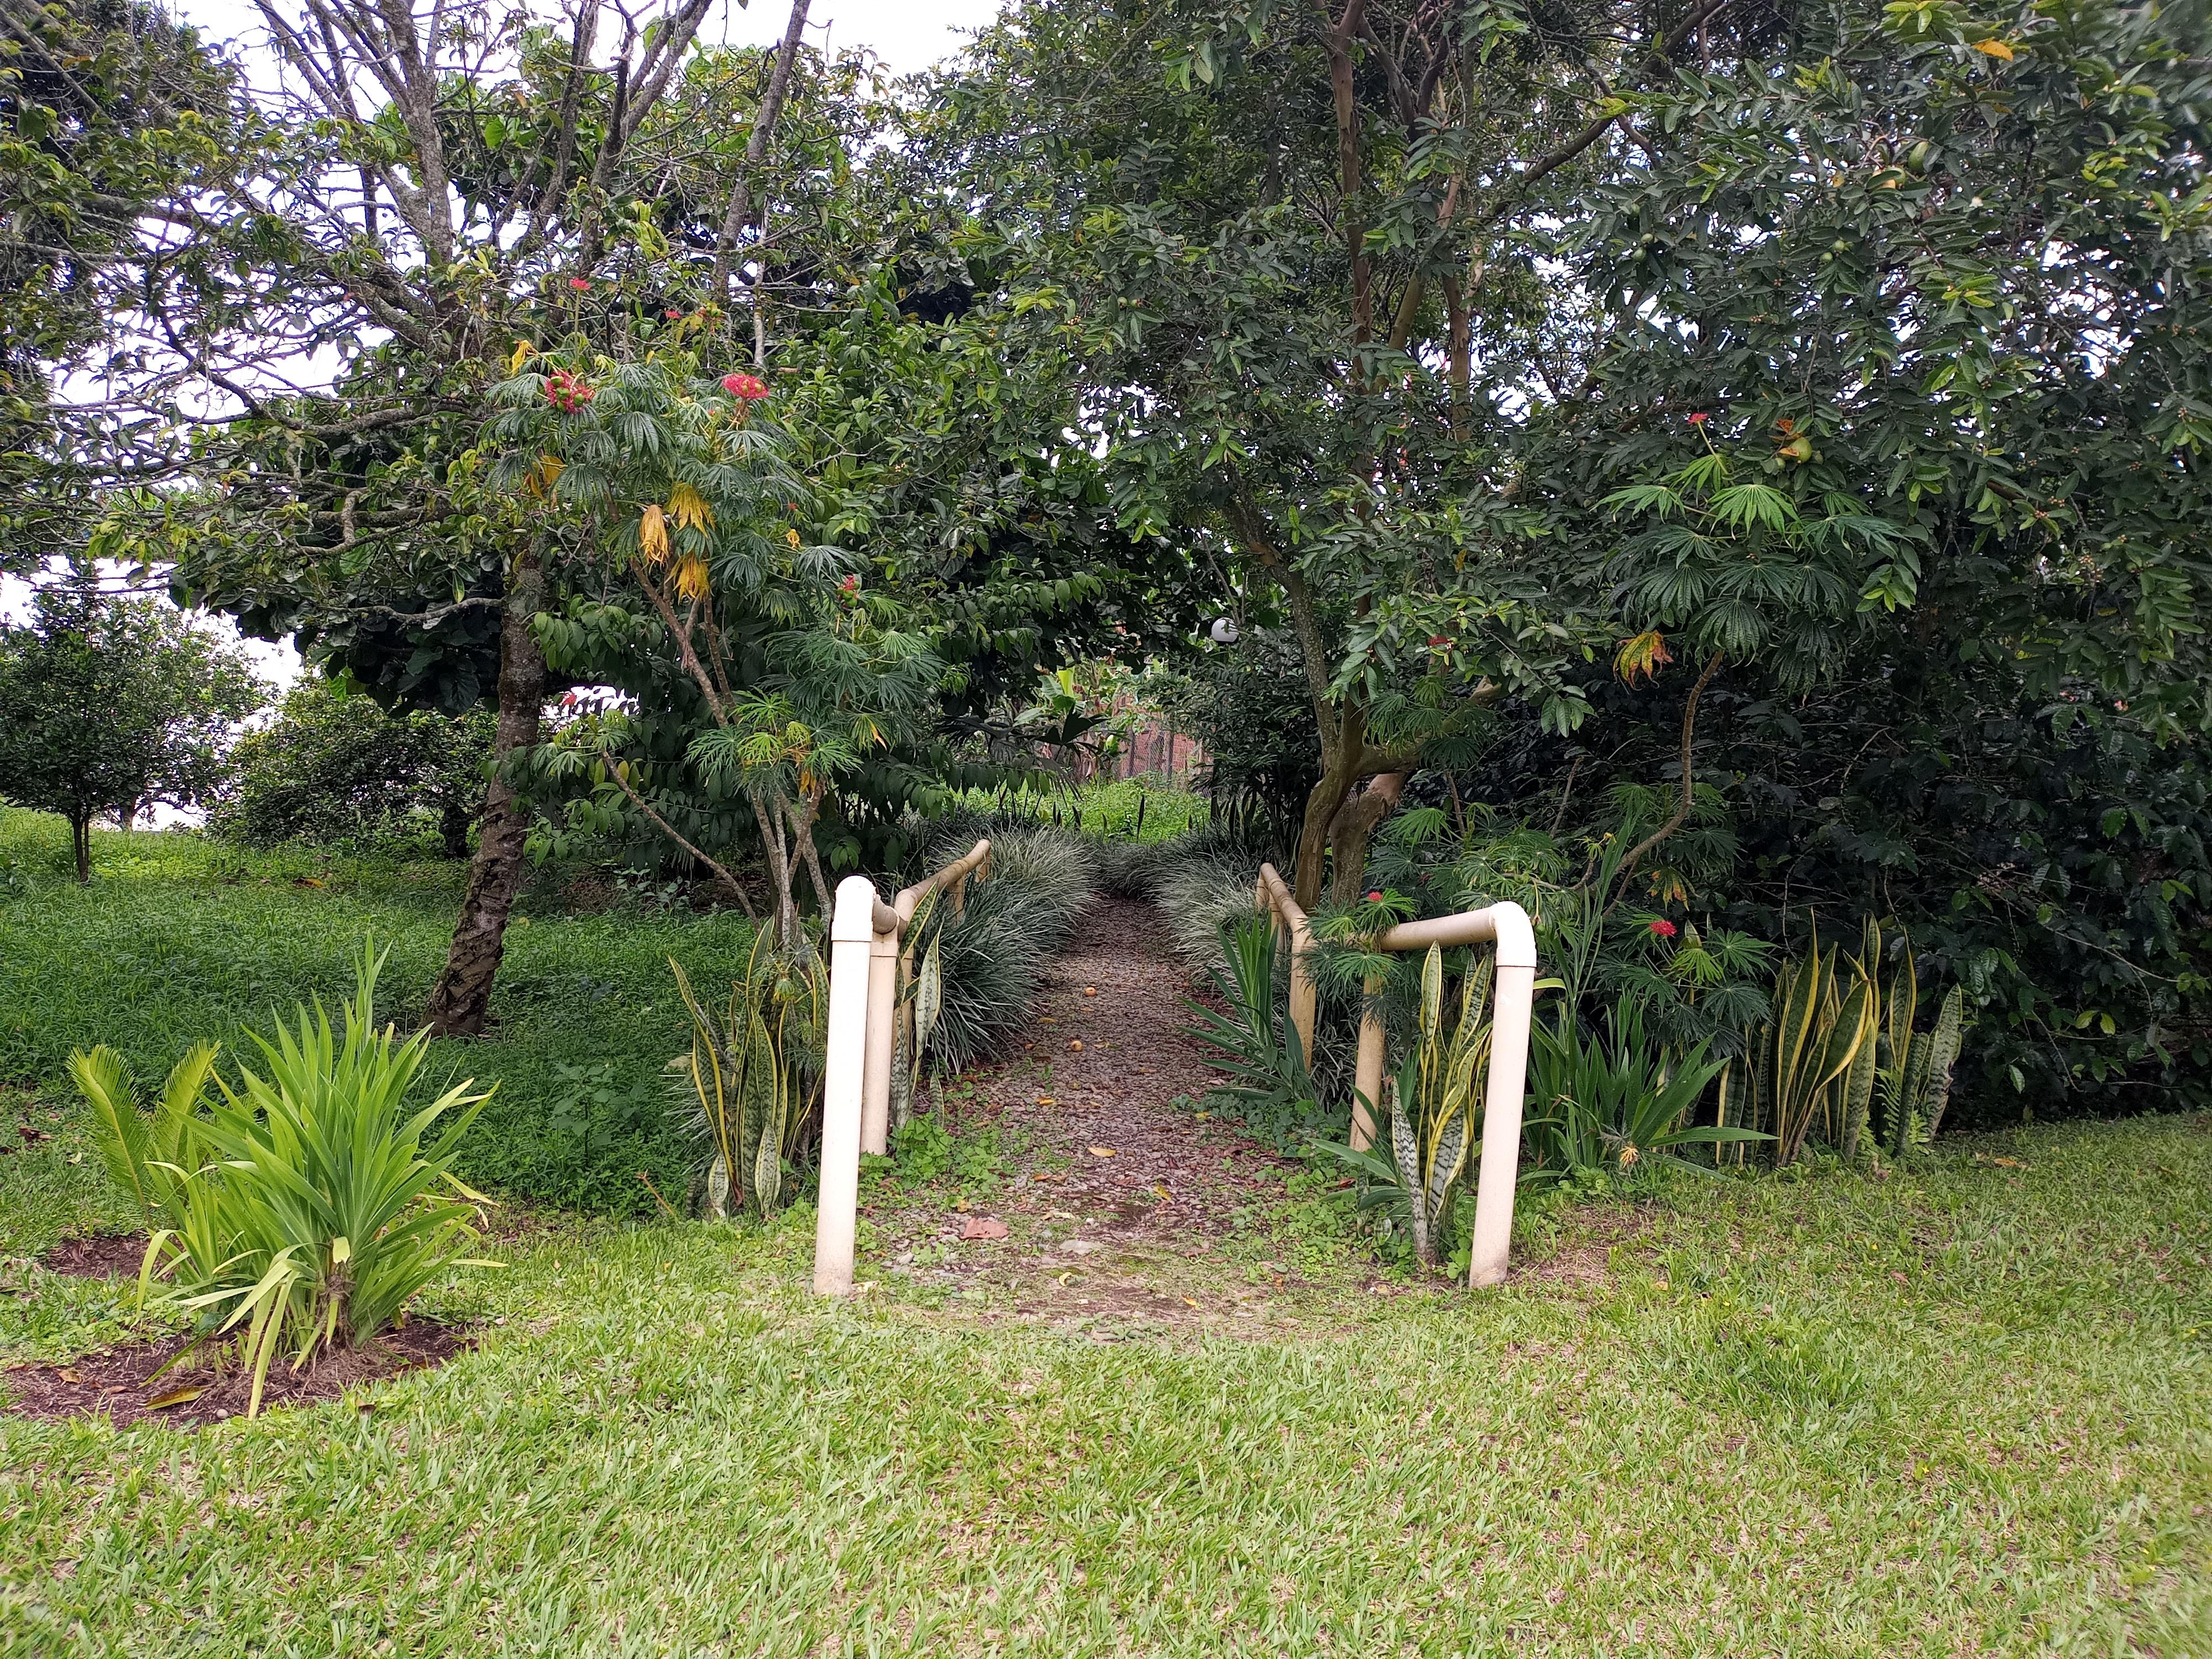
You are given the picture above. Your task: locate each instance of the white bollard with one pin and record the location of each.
(1515, 994)
(852, 931)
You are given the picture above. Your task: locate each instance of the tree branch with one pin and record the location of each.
(1682, 806)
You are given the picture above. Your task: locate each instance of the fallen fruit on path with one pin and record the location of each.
(1104, 1152)
(1047, 1100)
(1090, 990)
(1075, 1044)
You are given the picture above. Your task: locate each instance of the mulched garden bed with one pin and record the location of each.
(117, 1382)
(104, 1257)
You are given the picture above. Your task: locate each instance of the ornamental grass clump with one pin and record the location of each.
(300, 1210)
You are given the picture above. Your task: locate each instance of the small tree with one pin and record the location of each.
(114, 704)
(335, 769)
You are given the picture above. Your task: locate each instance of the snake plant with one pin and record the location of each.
(1434, 1104)
(754, 1071)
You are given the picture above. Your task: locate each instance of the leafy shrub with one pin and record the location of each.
(337, 770)
(302, 1205)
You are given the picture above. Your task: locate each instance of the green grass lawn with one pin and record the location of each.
(178, 938)
(1962, 1410)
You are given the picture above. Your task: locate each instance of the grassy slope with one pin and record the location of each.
(1960, 1411)
(177, 939)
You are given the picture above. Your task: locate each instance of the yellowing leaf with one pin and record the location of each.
(1104, 1151)
(792, 535)
(175, 1397)
(1190, 1302)
(653, 535)
(691, 577)
(1645, 654)
(524, 351)
(689, 507)
(1995, 49)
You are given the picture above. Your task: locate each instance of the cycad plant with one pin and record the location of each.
(754, 1072)
(1911, 1082)
(1254, 1043)
(301, 1209)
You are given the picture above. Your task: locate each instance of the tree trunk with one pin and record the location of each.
(463, 993)
(1355, 826)
(81, 843)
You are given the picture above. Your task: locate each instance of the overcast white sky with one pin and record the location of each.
(909, 35)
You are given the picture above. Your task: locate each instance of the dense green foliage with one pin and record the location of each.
(113, 704)
(180, 939)
(108, 109)
(334, 770)
(1957, 1411)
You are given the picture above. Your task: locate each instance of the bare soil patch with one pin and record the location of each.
(120, 1383)
(104, 1256)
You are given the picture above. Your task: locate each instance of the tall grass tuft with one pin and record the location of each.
(302, 1206)
(993, 952)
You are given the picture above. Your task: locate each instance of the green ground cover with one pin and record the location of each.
(1131, 808)
(178, 938)
(1958, 1410)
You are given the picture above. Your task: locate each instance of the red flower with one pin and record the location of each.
(851, 584)
(578, 283)
(568, 702)
(1375, 896)
(750, 387)
(672, 314)
(1699, 419)
(1664, 928)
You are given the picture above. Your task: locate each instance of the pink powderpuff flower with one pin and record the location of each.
(1663, 928)
(1375, 896)
(851, 584)
(1699, 419)
(750, 387)
(578, 284)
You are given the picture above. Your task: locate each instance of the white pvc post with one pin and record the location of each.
(883, 1036)
(1514, 995)
(851, 933)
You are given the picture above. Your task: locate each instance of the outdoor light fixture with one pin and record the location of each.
(1224, 631)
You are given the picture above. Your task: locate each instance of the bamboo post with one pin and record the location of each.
(1368, 1073)
(882, 1039)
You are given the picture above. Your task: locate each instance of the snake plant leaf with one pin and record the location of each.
(1406, 1147)
(718, 1186)
(928, 999)
(1449, 1164)
(1942, 1054)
